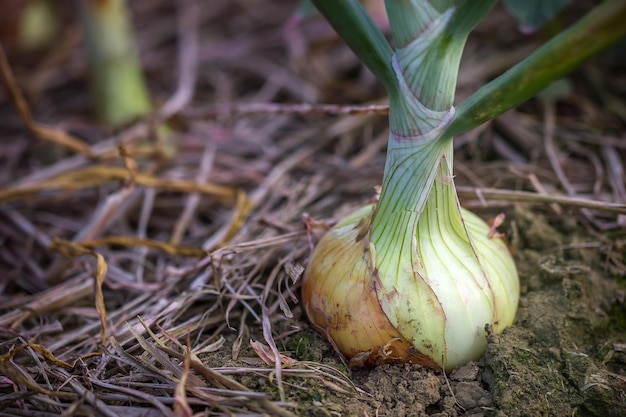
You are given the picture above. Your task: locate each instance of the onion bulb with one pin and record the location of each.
(429, 301)
(414, 277)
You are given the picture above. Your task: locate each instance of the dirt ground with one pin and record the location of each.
(205, 230)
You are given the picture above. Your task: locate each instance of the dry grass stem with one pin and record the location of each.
(57, 136)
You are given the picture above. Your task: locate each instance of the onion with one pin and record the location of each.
(431, 306)
(415, 278)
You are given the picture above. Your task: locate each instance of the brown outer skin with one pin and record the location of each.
(339, 296)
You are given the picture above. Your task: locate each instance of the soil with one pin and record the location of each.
(214, 268)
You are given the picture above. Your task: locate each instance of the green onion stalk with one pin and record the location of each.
(118, 83)
(415, 277)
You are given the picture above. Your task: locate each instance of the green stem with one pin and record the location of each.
(600, 28)
(410, 172)
(430, 44)
(426, 68)
(119, 87)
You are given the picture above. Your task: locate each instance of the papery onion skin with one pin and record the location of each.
(340, 300)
